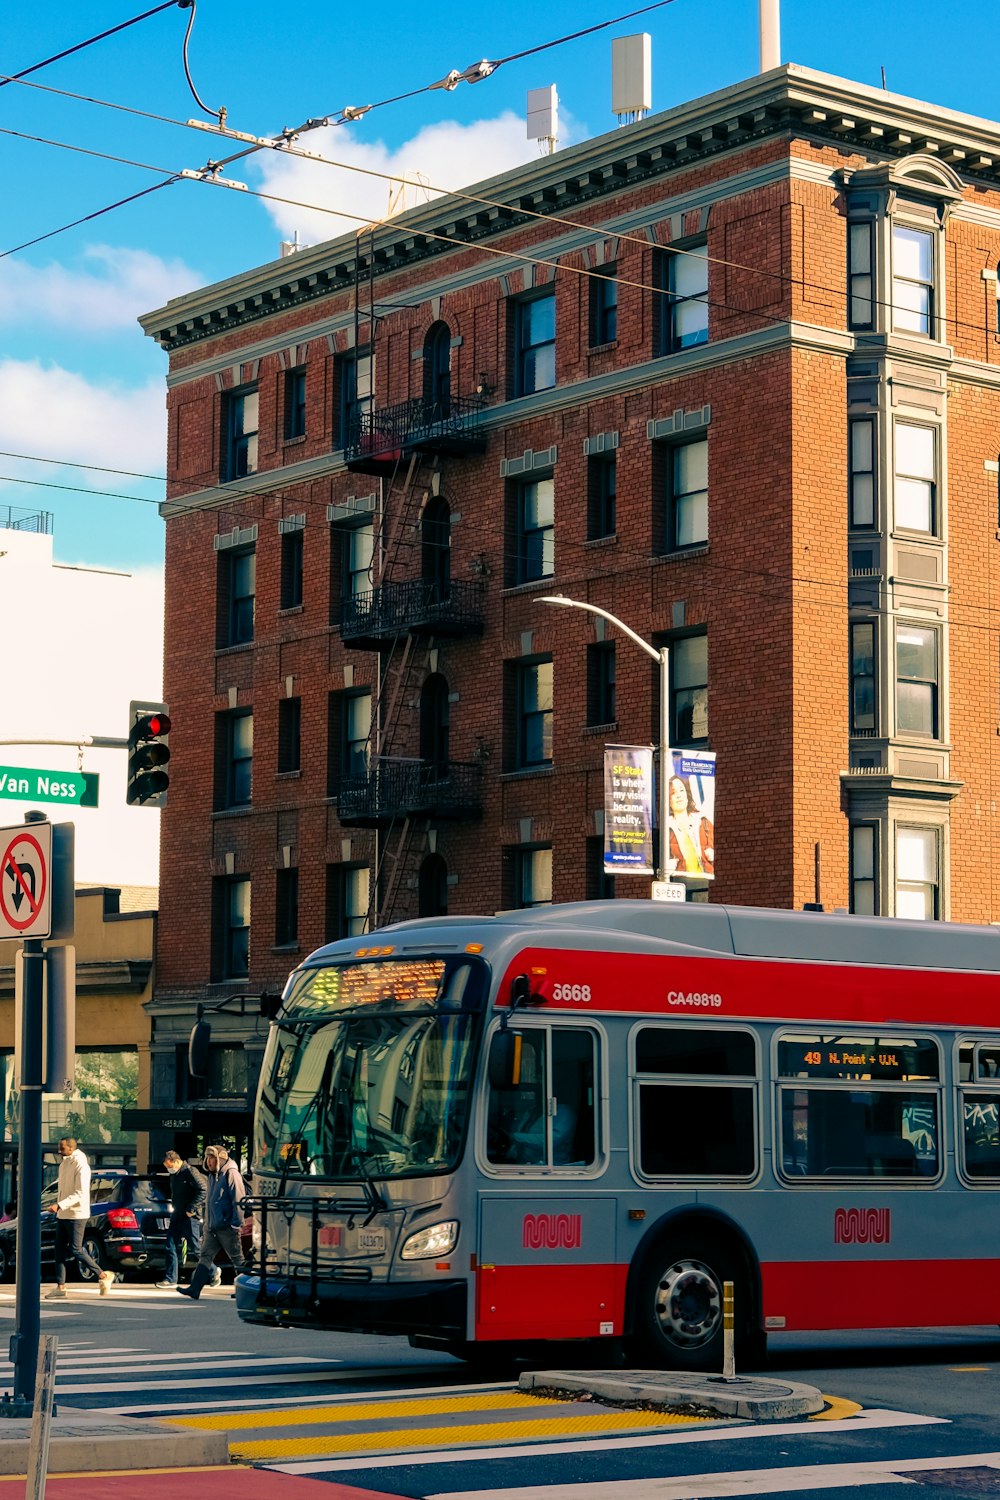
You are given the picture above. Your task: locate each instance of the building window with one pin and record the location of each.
(600, 883)
(349, 736)
(534, 530)
(683, 303)
(292, 568)
(533, 713)
(864, 869)
(917, 873)
(912, 280)
(286, 908)
(348, 891)
(915, 486)
(358, 550)
(437, 373)
(295, 403)
(233, 759)
(604, 306)
(863, 677)
(689, 690)
(601, 670)
(353, 390)
(860, 274)
(534, 876)
(916, 681)
(602, 495)
(240, 419)
(289, 735)
(861, 477)
(687, 495)
(237, 588)
(231, 912)
(534, 344)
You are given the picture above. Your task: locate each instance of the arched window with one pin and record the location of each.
(434, 724)
(437, 373)
(435, 548)
(432, 890)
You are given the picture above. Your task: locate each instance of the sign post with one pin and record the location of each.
(26, 884)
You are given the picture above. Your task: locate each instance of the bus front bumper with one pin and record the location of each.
(436, 1308)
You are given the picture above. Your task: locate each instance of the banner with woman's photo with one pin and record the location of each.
(691, 815)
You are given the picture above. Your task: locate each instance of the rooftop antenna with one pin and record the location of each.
(290, 247)
(770, 35)
(631, 77)
(884, 84)
(543, 118)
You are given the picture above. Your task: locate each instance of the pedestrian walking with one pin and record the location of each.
(72, 1213)
(188, 1190)
(223, 1218)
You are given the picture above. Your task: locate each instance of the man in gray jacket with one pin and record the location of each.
(72, 1213)
(223, 1218)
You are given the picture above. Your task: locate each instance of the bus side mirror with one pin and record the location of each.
(504, 1065)
(269, 1005)
(201, 1035)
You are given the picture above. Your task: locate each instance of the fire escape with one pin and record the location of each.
(412, 604)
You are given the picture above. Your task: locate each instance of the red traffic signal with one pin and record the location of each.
(148, 753)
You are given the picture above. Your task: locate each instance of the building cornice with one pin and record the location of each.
(788, 101)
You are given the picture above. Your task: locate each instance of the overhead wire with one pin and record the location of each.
(89, 42)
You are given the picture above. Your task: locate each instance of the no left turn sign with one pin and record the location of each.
(25, 881)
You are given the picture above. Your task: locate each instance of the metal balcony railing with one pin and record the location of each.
(406, 788)
(450, 425)
(416, 604)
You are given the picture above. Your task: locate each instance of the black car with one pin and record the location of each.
(127, 1227)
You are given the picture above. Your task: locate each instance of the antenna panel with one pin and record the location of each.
(631, 74)
(543, 114)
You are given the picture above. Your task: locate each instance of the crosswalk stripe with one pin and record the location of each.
(743, 1482)
(874, 1418)
(367, 1411)
(236, 1404)
(111, 1387)
(535, 1431)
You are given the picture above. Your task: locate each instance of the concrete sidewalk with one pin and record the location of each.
(88, 1440)
(741, 1398)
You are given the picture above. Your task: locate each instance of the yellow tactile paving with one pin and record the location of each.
(391, 1441)
(368, 1411)
(835, 1409)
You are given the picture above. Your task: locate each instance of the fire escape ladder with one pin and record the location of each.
(400, 860)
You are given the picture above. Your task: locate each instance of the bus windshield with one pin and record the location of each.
(369, 1071)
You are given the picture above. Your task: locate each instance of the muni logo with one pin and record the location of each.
(862, 1226)
(552, 1232)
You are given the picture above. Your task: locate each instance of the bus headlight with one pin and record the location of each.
(436, 1240)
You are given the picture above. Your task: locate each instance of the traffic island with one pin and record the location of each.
(84, 1441)
(736, 1398)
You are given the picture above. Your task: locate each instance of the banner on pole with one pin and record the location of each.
(628, 809)
(691, 815)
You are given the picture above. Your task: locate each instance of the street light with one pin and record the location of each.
(662, 656)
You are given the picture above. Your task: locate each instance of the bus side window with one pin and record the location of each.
(573, 1133)
(515, 1122)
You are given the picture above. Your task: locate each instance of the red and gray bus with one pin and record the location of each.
(577, 1122)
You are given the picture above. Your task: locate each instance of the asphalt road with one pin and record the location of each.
(373, 1413)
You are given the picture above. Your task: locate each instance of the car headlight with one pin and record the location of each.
(437, 1239)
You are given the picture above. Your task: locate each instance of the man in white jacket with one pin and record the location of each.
(72, 1213)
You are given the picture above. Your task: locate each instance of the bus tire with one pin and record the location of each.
(678, 1313)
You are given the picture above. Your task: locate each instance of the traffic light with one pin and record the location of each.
(148, 753)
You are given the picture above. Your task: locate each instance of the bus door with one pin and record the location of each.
(546, 1256)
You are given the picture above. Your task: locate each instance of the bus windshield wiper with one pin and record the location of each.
(376, 1203)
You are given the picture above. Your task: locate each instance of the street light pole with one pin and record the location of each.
(661, 656)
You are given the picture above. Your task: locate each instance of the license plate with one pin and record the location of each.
(372, 1240)
(163, 1223)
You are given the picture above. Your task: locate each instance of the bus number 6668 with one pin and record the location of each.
(580, 993)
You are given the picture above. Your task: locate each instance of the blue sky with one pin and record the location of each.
(81, 385)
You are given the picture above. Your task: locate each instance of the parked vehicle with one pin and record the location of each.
(127, 1228)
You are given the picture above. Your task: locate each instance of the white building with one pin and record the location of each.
(78, 644)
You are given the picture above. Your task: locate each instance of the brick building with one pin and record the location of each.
(732, 373)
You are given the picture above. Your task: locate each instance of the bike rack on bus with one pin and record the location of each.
(290, 1208)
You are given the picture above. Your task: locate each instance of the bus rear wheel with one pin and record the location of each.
(678, 1314)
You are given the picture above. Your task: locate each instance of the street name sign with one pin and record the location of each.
(26, 881)
(75, 788)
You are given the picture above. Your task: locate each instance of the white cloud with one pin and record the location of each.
(447, 156)
(46, 410)
(107, 292)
